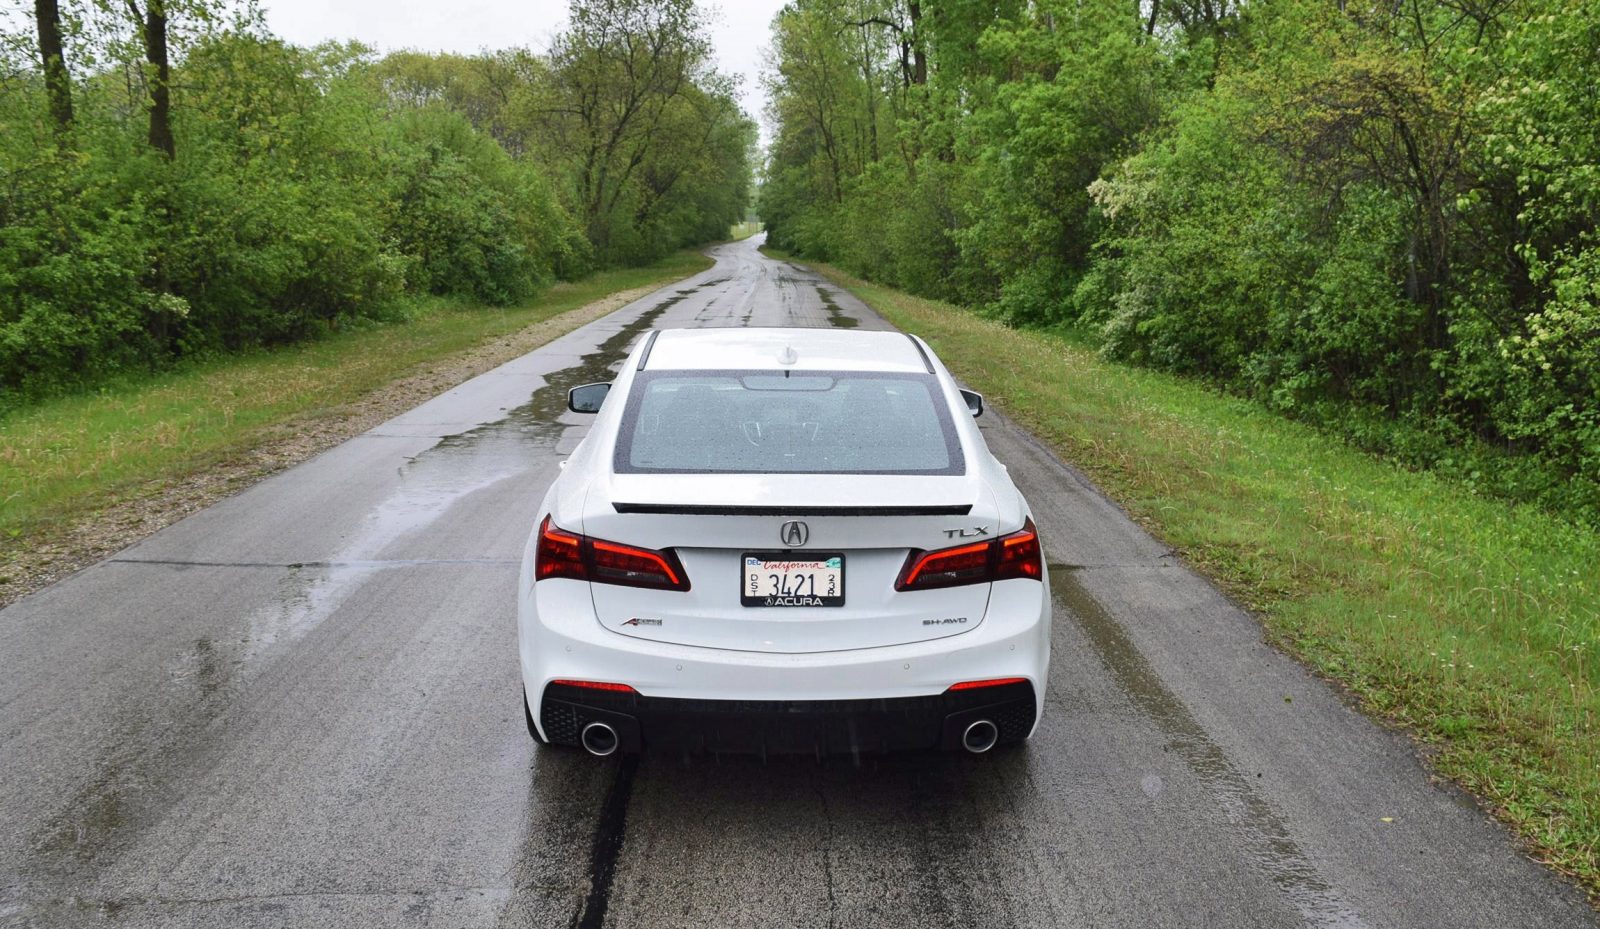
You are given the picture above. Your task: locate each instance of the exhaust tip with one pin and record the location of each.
(979, 737)
(599, 739)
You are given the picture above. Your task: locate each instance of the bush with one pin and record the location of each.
(72, 298)
(475, 222)
(298, 199)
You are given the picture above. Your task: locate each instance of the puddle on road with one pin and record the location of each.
(1263, 830)
(836, 316)
(538, 422)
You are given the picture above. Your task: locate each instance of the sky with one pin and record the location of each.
(739, 29)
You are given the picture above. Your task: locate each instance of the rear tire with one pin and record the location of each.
(527, 714)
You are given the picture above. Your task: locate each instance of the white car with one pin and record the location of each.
(782, 541)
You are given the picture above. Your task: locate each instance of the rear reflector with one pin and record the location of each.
(596, 685)
(1014, 555)
(992, 682)
(560, 553)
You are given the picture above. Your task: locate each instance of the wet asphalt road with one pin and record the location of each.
(300, 707)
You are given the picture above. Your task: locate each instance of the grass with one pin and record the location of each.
(743, 231)
(1471, 621)
(64, 459)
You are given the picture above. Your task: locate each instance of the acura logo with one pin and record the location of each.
(794, 533)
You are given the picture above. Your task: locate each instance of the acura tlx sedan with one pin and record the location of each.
(782, 541)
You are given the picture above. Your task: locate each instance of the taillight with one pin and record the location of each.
(635, 567)
(950, 567)
(1014, 555)
(560, 553)
(1020, 555)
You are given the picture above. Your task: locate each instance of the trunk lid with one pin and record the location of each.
(713, 521)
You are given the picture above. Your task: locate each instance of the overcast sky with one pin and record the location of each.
(739, 28)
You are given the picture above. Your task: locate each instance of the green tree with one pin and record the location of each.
(623, 69)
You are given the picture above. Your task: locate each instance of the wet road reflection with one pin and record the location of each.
(540, 421)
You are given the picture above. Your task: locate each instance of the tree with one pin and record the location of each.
(153, 32)
(57, 81)
(621, 67)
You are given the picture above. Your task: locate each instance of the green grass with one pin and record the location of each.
(63, 459)
(743, 231)
(1471, 621)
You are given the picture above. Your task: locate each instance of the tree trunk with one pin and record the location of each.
(155, 46)
(919, 53)
(867, 68)
(57, 82)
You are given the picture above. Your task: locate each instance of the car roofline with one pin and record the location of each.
(926, 361)
(649, 343)
(920, 362)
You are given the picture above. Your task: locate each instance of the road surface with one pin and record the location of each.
(300, 707)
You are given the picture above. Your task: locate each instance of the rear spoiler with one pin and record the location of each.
(697, 509)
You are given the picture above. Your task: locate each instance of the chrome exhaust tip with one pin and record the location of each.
(599, 739)
(979, 737)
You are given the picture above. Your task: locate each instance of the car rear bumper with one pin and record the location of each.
(787, 727)
(823, 694)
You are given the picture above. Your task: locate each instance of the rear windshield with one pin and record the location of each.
(764, 422)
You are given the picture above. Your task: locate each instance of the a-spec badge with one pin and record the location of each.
(794, 533)
(641, 621)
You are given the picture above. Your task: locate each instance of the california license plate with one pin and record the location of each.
(787, 580)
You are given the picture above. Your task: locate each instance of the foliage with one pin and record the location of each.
(1540, 156)
(295, 190)
(1380, 218)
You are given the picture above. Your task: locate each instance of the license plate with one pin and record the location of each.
(787, 580)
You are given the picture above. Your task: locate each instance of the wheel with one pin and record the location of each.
(527, 714)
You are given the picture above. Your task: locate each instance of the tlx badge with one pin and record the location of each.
(966, 533)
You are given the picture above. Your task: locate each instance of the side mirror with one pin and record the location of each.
(974, 401)
(587, 397)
